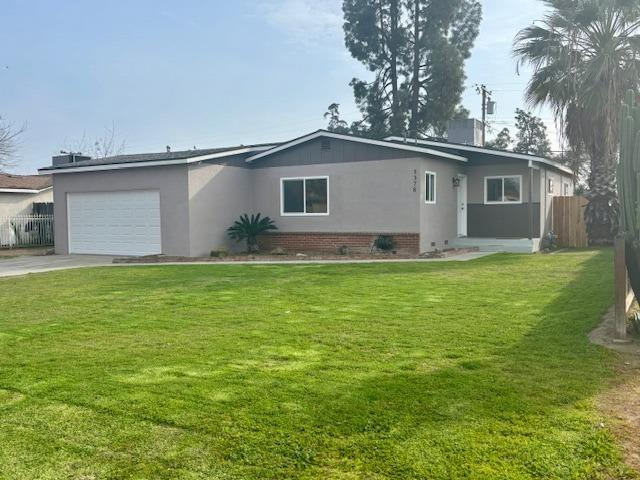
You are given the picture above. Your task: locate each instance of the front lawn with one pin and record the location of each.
(475, 370)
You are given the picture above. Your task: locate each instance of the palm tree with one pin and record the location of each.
(585, 55)
(248, 228)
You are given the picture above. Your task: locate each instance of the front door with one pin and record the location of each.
(462, 206)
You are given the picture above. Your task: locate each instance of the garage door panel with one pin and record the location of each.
(114, 223)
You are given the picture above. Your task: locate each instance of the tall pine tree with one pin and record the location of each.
(416, 50)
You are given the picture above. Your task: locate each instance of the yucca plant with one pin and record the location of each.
(248, 228)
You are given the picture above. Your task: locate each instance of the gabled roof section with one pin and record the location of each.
(154, 159)
(488, 151)
(354, 138)
(24, 183)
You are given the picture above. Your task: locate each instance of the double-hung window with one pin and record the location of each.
(430, 188)
(304, 196)
(503, 189)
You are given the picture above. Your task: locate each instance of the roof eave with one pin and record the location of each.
(350, 138)
(487, 151)
(151, 163)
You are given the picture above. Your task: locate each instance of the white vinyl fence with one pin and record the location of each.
(26, 231)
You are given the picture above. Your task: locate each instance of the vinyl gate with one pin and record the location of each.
(26, 231)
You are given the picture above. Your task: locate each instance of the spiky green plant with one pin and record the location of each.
(629, 186)
(248, 228)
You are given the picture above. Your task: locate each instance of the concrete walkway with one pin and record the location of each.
(11, 267)
(26, 265)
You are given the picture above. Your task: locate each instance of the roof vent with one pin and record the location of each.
(168, 149)
(325, 143)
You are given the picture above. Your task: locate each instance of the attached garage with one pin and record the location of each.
(114, 223)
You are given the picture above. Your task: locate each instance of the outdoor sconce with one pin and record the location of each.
(456, 181)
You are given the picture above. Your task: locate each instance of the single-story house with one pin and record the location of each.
(25, 194)
(324, 190)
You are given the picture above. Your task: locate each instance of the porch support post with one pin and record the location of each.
(621, 289)
(530, 200)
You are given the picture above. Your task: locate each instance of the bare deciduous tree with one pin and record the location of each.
(8, 143)
(105, 145)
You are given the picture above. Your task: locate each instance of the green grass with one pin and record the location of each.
(478, 370)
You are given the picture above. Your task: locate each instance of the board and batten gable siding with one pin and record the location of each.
(12, 204)
(170, 181)
(339, 151)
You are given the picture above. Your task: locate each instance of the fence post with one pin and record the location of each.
(621, 289)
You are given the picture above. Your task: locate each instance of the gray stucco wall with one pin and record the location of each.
(170, 181)
(439, 221)
(20, 203)
(218, 195)
(374, 196)
(546, 204)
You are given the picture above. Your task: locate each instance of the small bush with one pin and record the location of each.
(220, 253)
(384, 243)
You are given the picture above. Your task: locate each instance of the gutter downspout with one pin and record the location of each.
(530, 200)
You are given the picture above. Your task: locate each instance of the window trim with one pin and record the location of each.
(435, 187)
(502, 202)
(304, 196)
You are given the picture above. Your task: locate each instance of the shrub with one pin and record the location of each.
(384, 243)
(248, 228)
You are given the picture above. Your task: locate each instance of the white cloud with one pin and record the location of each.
(306, 21)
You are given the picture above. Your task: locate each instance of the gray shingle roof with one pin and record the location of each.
(151, 157)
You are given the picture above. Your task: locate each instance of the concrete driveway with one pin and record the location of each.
(23, 265)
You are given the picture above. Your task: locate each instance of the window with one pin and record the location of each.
(551, 185)
(503, 189)
(567, 190)
(430, 188)
(304, 196)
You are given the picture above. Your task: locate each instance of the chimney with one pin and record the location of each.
(66, 158)
(467, 131)
(168, 148)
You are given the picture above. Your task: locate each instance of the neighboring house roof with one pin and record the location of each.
(488, 151)
(24, 183)
(154, 159)
(354, 138)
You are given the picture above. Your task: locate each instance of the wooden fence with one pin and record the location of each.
(568, 221)
(26, 231)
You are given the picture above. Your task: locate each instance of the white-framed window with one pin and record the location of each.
(503, 189)
(304, 196)
(550, 188)
(430, 187)
(567, 190)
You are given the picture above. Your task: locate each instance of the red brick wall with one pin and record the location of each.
(294, 242)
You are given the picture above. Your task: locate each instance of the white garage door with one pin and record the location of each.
(114, 223)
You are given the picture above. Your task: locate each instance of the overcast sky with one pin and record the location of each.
(204, 73)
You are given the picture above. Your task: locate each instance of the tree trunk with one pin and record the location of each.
(415, 80)
(397, 123)
(601, 214)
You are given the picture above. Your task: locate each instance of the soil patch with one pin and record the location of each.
(621, 403)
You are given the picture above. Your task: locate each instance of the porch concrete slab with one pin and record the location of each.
(11, 267)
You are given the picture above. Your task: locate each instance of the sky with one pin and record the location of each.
(205, 73)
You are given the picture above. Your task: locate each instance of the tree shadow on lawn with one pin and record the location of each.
(524, 412)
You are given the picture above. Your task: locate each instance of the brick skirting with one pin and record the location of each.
(294, 242)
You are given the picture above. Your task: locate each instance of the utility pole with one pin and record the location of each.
(486, 98)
